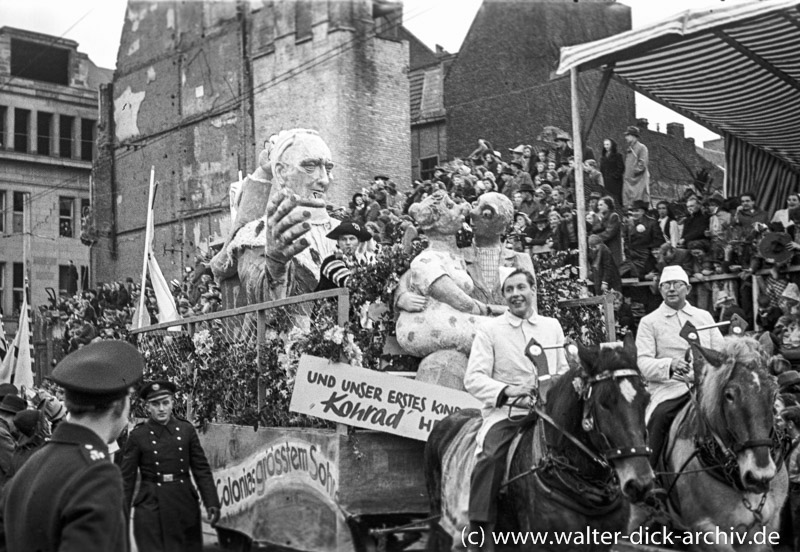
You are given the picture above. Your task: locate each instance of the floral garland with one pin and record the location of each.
(219, 378)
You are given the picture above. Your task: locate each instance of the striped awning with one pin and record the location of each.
(734, 69)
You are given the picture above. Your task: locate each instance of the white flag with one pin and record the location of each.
(167, 312)
(17, 367)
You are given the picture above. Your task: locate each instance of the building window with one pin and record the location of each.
(44, 127)
(85, 212)
(426, 167)
(31, 60)
(65, 135)
(66, 216)
(63, 278)
(18, 213)
(87, 139)
(2, 289)
(18, 289)
(2, 213)
(21, 122)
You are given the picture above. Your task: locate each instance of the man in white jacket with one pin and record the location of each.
(499, 372)
(661, 352)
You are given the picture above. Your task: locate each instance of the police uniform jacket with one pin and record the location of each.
(67, 497)
(166, 455)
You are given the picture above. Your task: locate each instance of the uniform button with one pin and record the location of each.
(179, 438)
(154, 442)
(181, 459)
(180, 448)
(156, 463)
(159, 484)
(155, 452)
(177, 429)
(151, 433)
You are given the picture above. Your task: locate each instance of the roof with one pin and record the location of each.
(734, 69)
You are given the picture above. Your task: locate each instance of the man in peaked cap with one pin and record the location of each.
(661, 352)
(167, 452)
(68, 495)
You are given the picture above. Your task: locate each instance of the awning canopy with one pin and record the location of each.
(734, 69)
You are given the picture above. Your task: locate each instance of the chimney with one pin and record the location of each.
(642, 123)
(675, 130)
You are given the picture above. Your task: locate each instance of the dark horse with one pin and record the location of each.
(600, 402)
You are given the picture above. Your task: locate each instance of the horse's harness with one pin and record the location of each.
(584, 389)
(720, 460)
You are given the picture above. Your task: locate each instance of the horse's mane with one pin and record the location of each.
(744, 352)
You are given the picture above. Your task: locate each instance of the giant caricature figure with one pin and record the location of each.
(279, 254)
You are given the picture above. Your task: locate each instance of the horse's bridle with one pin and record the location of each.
(587, 421)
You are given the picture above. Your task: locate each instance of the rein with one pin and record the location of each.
(711, 448)
(587, 424)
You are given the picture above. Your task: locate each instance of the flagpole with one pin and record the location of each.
(148, 240)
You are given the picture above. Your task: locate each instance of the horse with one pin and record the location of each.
(577, 464)
(723, 461)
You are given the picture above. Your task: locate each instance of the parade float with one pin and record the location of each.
(313, 417)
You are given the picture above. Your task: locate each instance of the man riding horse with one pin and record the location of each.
(662, 353)
(498, 372)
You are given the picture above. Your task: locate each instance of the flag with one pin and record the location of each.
(167, 311)
(17, 367)
(3, 342)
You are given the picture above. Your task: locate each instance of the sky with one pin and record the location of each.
(96, 26)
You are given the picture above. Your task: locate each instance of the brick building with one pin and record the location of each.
(499, 86)
(426, 73)
(199, 88)
(48, 116)
(675, 161)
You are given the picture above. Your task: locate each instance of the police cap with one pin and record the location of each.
(157, 389)
(8, 389)
(100, 372)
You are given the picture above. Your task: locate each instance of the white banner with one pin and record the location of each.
(373, 400)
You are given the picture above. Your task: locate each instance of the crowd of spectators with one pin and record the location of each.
(109, 310)
(720, 241)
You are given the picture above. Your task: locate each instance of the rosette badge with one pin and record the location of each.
(535, 353)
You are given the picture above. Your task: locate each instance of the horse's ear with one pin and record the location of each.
(587, 355)
(714, 358)
(572, 353)
(705, 357)
(629, 346)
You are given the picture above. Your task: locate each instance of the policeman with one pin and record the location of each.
(165, 449)
(68, 495)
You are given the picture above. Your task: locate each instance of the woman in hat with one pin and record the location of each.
(612, 167)
(335, 269)
(607, 226)
(540, 235)
(358, 209)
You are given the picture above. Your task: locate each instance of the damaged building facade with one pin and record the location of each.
(48, 120)
(199, 88)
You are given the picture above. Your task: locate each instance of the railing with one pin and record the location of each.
(238, 324)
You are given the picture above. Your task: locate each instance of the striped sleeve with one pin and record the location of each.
(335, 270)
